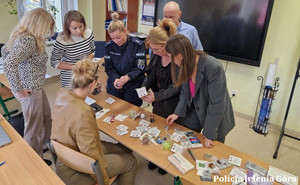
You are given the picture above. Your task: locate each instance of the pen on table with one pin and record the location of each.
(2, 163)
(192, 154)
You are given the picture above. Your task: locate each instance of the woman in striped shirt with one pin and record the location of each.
(76, 42)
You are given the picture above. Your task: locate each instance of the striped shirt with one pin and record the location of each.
(70, 52)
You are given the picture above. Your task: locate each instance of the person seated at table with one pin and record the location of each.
(74, 125)
(125, 61)
(74, 43)
(164, 97)
(204, 100)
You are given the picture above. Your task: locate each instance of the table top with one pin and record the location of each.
(155, 153)
(23, 165)
(4, 81)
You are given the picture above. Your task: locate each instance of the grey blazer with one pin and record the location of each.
(211, 101)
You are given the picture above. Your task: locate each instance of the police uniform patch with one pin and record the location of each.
(141, 64)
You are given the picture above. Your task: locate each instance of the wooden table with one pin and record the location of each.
(4, 81)
(155, 153)
(23, 165)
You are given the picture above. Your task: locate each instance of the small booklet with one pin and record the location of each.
(181, 163)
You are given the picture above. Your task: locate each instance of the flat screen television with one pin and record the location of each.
(233, 30)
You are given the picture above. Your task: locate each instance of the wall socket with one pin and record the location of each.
(234, 93)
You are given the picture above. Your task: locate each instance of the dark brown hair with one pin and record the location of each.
(72, 15)
(180, 44)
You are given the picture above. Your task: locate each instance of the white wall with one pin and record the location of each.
(283, 41)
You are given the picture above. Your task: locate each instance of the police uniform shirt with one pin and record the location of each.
(128, 59)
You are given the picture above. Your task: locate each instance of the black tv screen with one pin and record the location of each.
(233, 30)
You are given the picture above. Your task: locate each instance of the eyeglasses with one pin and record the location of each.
(96, 71)
(157, 50)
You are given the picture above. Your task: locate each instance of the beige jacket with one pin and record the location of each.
(74, 125)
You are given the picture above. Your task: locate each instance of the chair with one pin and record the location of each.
(6, 95)
(100, 49)
(76, 160)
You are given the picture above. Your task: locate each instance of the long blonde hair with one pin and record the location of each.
(115, 24)
(84, 73)
(161, 33)
(37, 23)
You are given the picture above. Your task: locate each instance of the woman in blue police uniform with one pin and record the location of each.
(125, 61)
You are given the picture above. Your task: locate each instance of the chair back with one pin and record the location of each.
(75, 160)
(100, 49)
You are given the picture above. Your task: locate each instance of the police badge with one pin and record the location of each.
(141, 64)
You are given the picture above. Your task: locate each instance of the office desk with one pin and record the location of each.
(23, 165)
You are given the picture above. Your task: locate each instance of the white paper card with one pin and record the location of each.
(144, 123)
(107, 119)
(89, 100)
(286, 177)
(121, 117)
(176, 148)
(122, 132)
(141, 92)
(135, 134)
(154, 131)
(176, 137)
(101, 113)
(235, 160)
(122, 127)
(110, 100)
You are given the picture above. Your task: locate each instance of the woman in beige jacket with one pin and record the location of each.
(74, 125)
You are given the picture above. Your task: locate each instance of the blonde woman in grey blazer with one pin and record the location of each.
(204, 100)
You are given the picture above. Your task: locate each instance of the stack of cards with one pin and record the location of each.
(122, 129)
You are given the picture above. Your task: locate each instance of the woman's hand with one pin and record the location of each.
(117, 83)
(24, 93)
(170, 119)
(207, 142)
(123, 80)
(149, 98)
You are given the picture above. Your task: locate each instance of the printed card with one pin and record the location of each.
(235, 160)
(176, 148)
(110, 100)
(122, 127)
(141, 92)
(121, 117)
(144, 123)
(176, 137)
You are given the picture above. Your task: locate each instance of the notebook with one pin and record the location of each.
(4, 138)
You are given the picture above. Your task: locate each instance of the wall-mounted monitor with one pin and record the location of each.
(233, 30)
